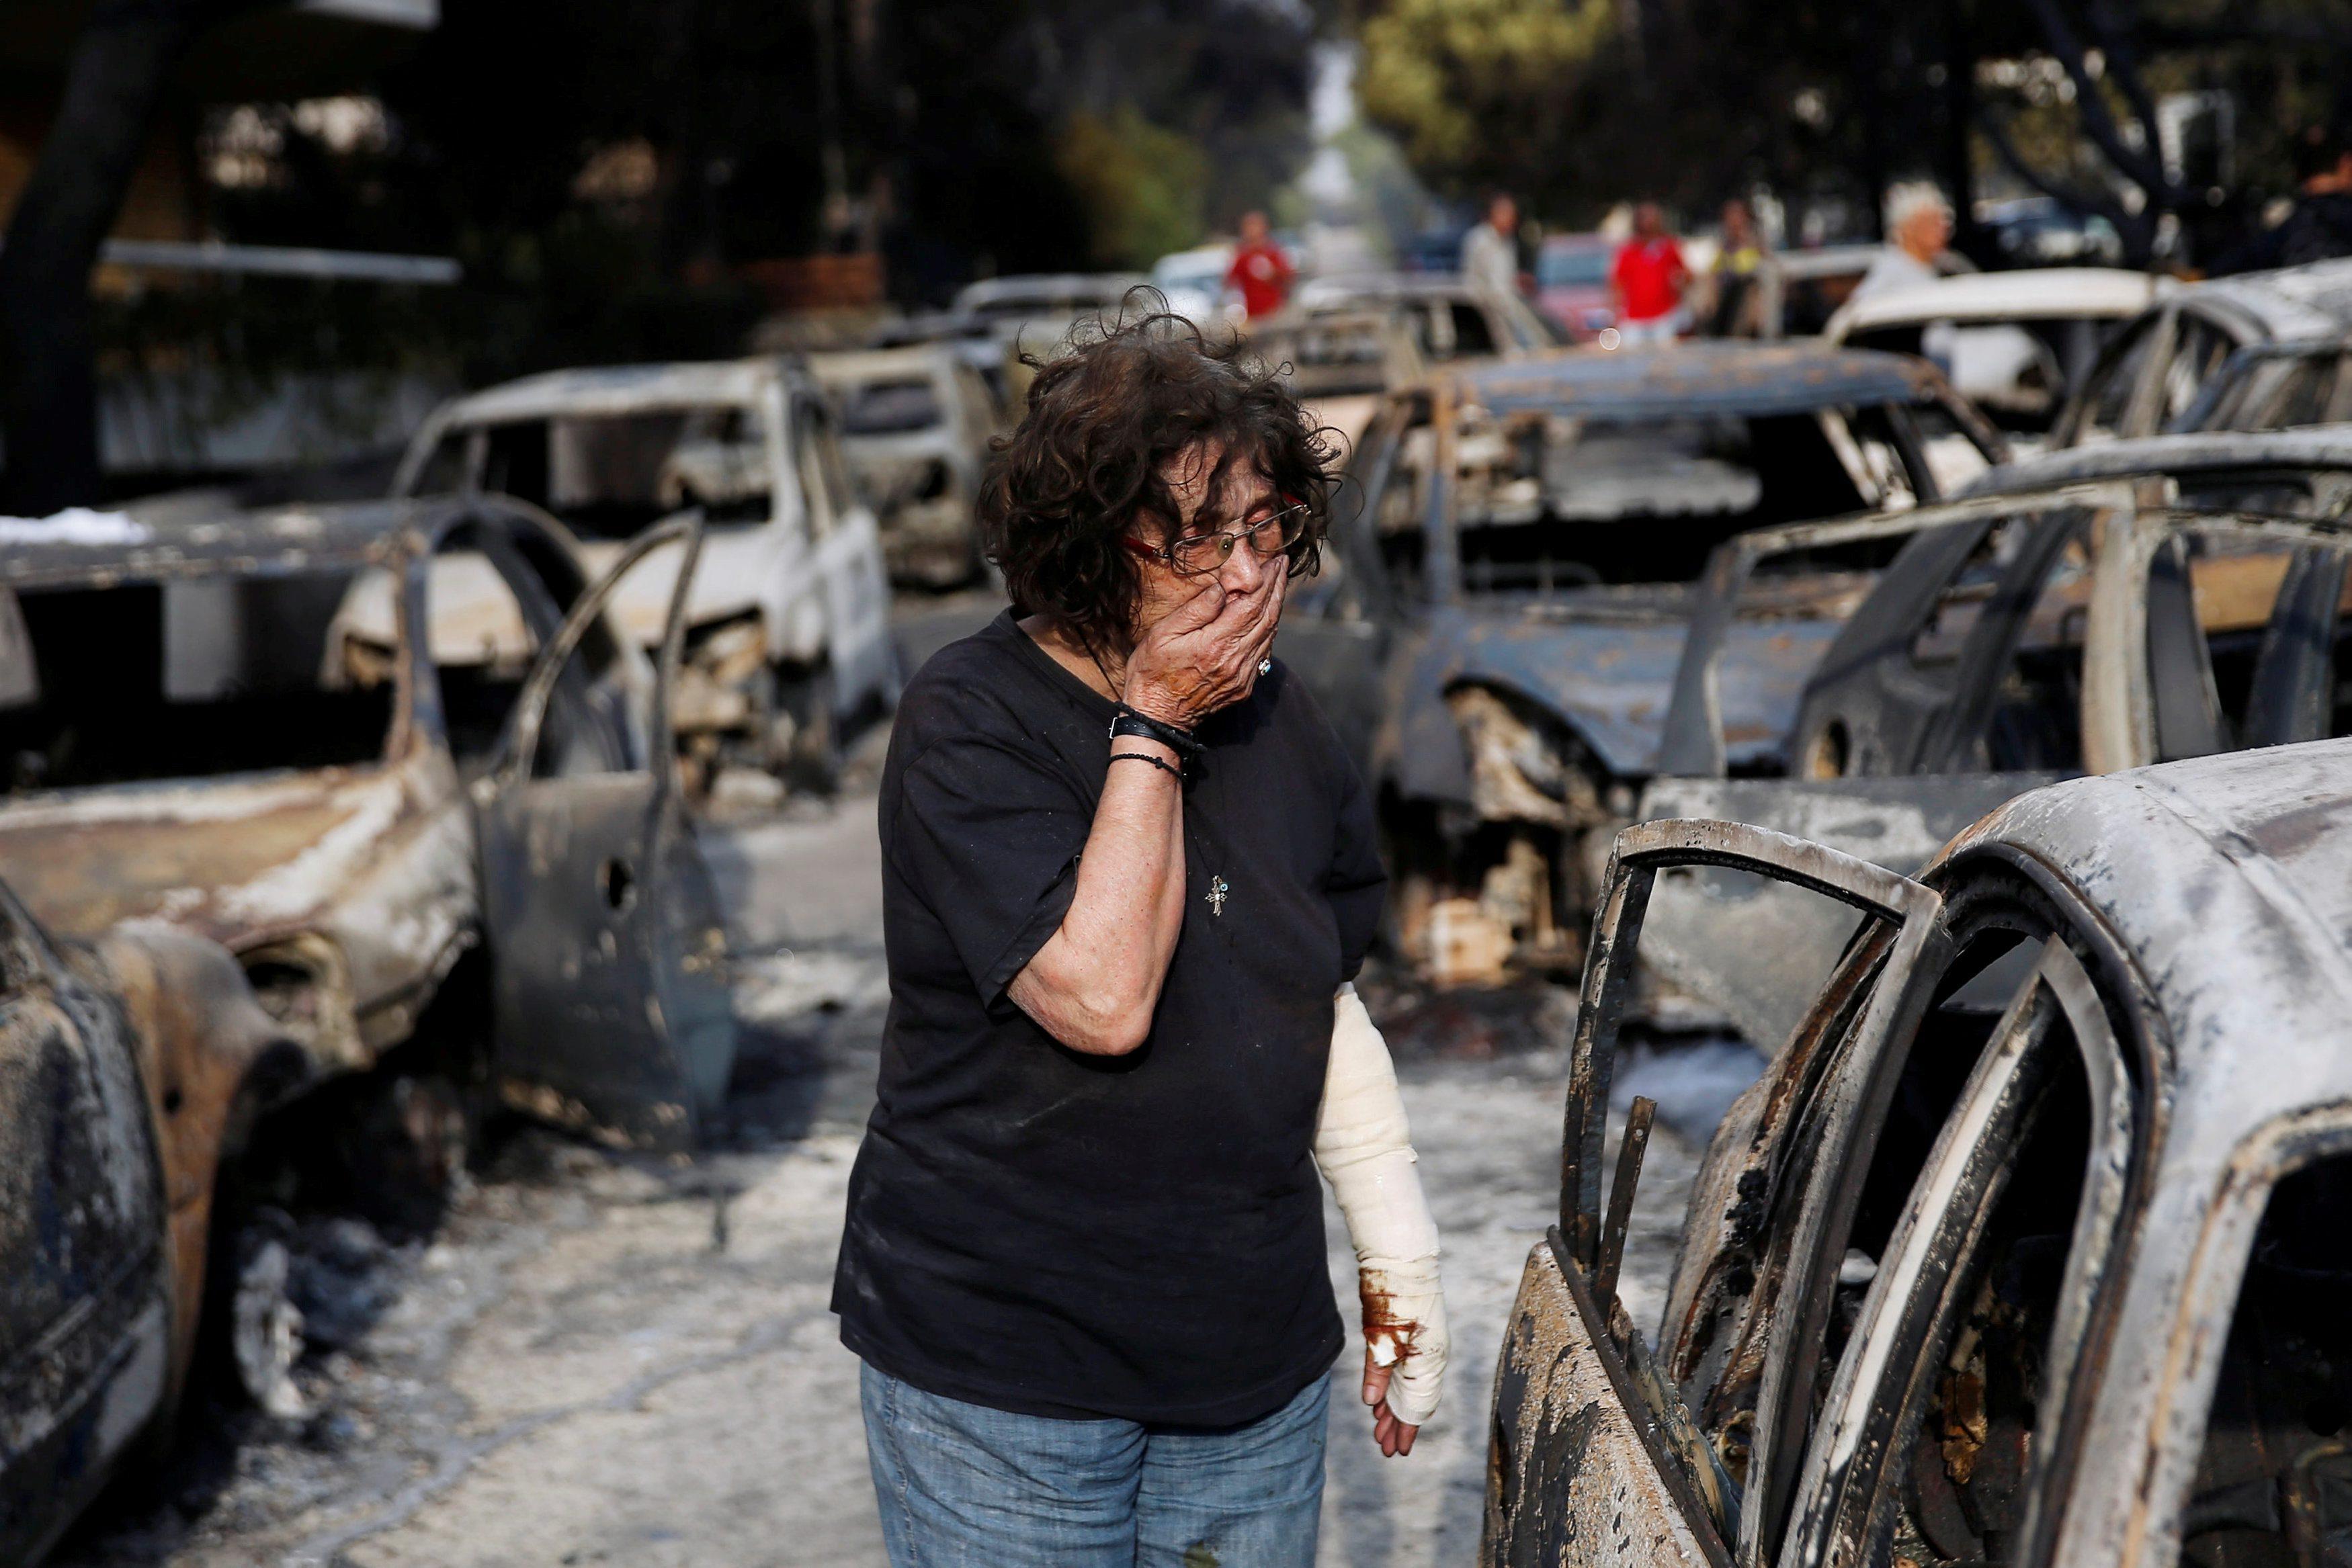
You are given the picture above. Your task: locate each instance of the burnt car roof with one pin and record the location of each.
(2312, 301)
(155, 544)
(2316, 446)
(1699, 377)
(2257, 843)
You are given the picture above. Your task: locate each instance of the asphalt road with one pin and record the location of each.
(593, 1360)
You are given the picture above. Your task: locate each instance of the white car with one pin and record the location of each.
(915, 423)
(1194, 283)
(2015, 343)
(788, 617)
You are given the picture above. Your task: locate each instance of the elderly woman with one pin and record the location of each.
(1128, 872)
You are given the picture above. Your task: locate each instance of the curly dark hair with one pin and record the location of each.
(1087, 461)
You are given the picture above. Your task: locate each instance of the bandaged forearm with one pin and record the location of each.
(1365, 1151)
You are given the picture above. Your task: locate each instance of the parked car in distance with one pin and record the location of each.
(1450, 319)
(1037, 309)
(1194, 284)
(2262, 350)
(788, 622)
(1340, 363)
(1504, 595)
(2029, 1245)
(2036, 231)
(2013, 343)
(915, 427)
(1572, 284)
(1803, 288)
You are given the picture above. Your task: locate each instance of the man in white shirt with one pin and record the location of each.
(1490, 251)
(1919, 224)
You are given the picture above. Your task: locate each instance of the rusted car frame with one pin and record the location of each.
(1497, 631)
(2178, 367)
(1891, 757)
(1900, 917)
(787, 642)
(2131, 990)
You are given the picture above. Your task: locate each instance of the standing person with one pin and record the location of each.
(1127, 872)
(1734, 312)
(1260, 270)
(1490, 251)
(1646, 284)
(2319, 225)
(1919, 225)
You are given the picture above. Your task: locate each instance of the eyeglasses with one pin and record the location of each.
(1277, 533)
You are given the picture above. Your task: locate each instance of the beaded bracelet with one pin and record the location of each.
(1175, 773)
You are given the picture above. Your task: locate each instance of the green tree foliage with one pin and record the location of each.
(1579, 106)
(1141, 185)
(1476, 89)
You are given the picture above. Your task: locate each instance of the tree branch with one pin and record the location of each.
(2134, 230)
(2137, 164)
(48, 398)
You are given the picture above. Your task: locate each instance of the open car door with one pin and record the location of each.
(1595, 1456)
(609, 1003)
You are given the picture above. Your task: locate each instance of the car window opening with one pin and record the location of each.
(891, 407)
(2274, 1479)
(1551, 502)
(194, 678)
(608, 476)
(1955, 1488)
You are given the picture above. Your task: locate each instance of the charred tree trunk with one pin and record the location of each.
(48, 382)
(1960, 116)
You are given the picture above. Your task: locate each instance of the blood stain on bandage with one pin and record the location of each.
(1383, 1330)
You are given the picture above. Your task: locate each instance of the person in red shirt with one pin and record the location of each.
(1260, 271)
(1647, 282)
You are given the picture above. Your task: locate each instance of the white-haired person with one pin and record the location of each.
(1919, 243)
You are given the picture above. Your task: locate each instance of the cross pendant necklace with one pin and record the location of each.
(1217, 890)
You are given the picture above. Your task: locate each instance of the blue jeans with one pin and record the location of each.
(963, 1486)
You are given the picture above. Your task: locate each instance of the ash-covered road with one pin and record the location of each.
(594, 1361)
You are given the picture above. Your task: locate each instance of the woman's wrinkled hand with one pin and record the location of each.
(1203, 654)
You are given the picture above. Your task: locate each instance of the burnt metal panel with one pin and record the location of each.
(84, 1295)
(609, 1002)
(1724, 376)
(1580, 1474)
(159, 543)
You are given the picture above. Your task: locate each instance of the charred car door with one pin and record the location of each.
(609, 1000)
(1600, 1453)
(1968, 655)
(84, 1305)
(1953, 1421)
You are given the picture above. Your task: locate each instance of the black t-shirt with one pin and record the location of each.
(1043, 1231)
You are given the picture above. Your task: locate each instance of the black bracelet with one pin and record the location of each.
(1172, 772)
(1125, 720)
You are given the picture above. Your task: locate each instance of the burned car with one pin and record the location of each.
(126, 1069)
(2015, 343)
(1448, 316)
(254, 851)
(2028, 1248)
(915, 427)
(2262, 350)
(788, 625)
(1504, 600)
(1339, 363)
(194, 733)
(2095, 608)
